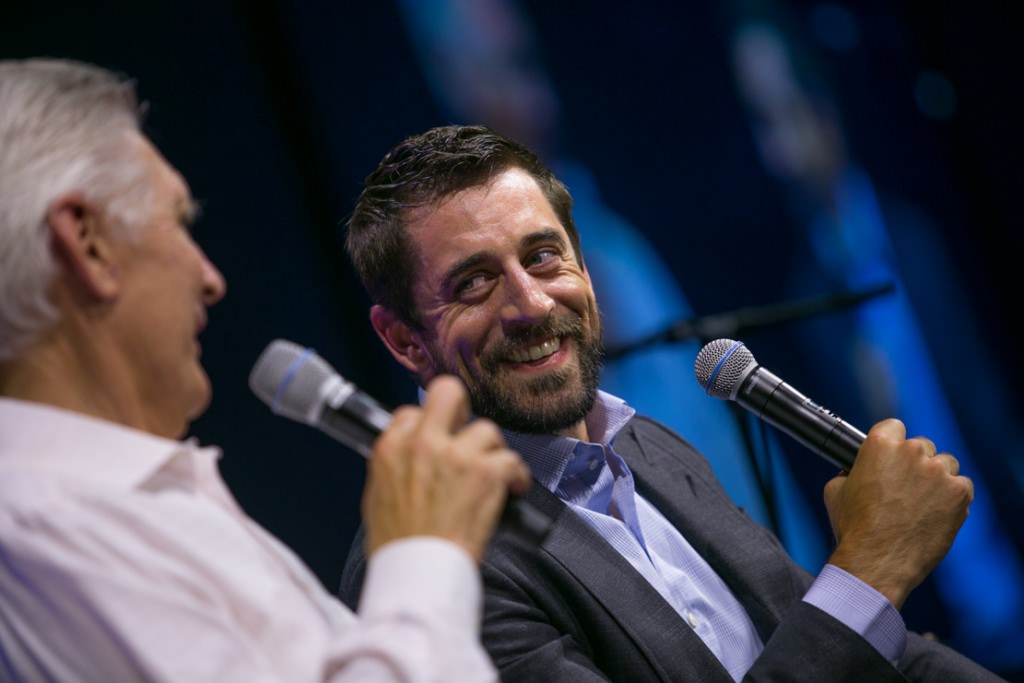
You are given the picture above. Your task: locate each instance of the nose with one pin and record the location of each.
(526, 300)
(214, 284)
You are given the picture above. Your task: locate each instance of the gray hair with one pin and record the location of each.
(64, 128)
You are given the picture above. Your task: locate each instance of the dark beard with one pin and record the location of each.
(541, 405)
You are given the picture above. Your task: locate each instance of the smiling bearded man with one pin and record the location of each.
(466, 243)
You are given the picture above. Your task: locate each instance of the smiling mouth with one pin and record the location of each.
(535, 351)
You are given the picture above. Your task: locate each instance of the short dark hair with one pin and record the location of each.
(422, 170)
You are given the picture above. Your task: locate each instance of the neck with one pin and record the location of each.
(48, 373)
(66, 372)
(576, 431)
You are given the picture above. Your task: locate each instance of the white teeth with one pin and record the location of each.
(535, 352)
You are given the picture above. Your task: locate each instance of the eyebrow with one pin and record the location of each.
(189, 209)
(473, 260)
(545, 235)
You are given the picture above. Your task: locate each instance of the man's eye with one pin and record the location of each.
(470, 283)
(543, 257)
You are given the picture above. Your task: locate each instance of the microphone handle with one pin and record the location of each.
(817, 428)
(356, 421)
(359, 420)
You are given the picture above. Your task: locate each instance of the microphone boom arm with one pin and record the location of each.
(742, 320)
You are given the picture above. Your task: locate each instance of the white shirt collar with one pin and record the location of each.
(45, 438)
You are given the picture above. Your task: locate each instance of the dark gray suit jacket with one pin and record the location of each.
(575, 610)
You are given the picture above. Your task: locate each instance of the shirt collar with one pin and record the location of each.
(52, 440)
(549, 454)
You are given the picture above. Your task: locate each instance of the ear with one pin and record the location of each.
(404, 343)
(82, 246)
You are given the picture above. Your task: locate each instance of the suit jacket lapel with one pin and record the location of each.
(761, 575)
(654, 627)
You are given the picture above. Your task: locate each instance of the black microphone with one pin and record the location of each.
(298, 384)
(726, 369)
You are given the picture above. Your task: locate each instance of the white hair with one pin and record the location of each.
(64, 127)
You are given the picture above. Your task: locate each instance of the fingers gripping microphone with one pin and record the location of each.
(726, 369)
(298, 384)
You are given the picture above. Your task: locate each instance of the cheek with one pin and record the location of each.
(460, 321)
(594, 314)
(465, 341)
(576, 294)
(463, 336)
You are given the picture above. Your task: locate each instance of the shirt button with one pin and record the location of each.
(692, 619)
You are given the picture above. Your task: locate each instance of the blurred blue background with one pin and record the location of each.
(275, 111)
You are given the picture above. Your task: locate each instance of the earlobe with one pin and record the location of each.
(402, 341)
(81, 246)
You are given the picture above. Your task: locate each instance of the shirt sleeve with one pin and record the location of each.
(126, 586)
(419, 618)
(861, 608)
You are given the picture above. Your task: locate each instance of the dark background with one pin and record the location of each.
(275, 111)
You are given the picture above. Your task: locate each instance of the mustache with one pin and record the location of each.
(515, 340)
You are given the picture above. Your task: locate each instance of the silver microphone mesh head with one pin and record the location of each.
(721, 365)
(289, 378)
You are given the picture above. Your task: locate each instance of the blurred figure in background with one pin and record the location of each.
(916, 353)
(483, 62)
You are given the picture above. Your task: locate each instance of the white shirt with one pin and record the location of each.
(124, 557)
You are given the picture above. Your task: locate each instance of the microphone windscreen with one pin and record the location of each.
(721, 365)
(291, 380)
